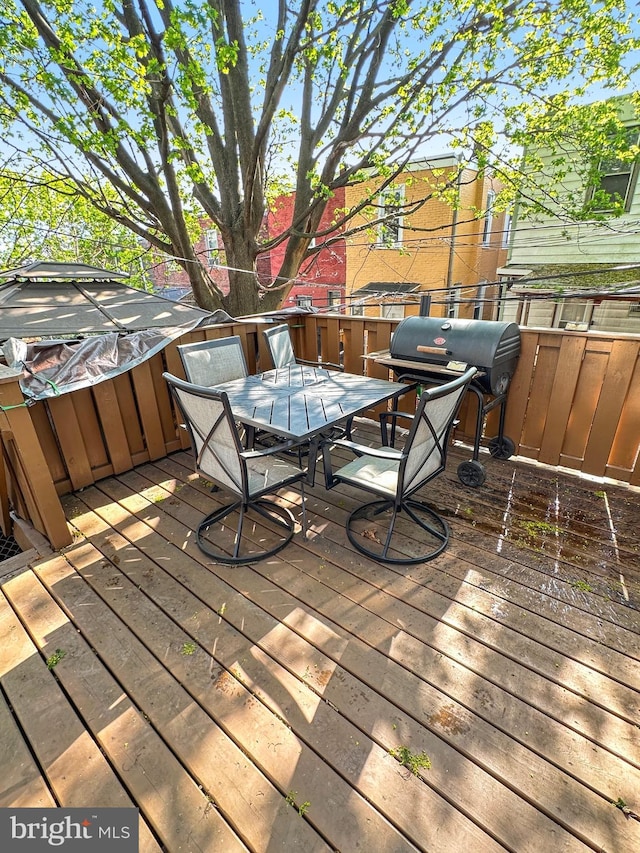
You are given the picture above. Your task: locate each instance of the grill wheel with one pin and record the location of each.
(501, 448)
(471, 473)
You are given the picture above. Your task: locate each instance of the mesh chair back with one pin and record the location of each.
(214, 437)
(279, 342)
(427, 443)
(211, 363)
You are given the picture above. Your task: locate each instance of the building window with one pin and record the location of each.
(506, 230)
(390, 204)
(357, 310)
(211, 245)
(479, 302)
(574, 315)
(616, 179)
(392, 311)
(304, 301)
(488, 219)
(334, 298)
(452, 301)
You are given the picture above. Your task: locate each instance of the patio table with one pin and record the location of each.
(304, 403)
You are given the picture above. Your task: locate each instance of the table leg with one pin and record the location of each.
(314, 451)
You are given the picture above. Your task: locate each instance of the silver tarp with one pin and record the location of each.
(58, 367)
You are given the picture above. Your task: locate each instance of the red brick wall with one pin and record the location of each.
(323, 272)
(320, 274)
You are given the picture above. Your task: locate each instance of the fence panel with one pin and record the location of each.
(625, 452)
(28, 479)
(574, 401)
(570, 356)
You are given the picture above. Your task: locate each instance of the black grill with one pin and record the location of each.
(428, 342)
(432, 350)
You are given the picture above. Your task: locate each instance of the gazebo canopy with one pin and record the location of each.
(61, 270)
(46, 299)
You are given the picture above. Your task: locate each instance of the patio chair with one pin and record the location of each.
(278, 340)
(249, 475)
(210, 363)
(213, 362)
(397, 475)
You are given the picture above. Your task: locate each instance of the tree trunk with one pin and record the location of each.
(294, 256)
(242, 299)
(205, 293)
(244, 295)
(273, 300)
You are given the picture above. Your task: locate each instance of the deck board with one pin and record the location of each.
(22, 784)
(380, 780)
(262, 704)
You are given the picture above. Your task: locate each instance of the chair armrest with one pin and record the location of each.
(363, 450)
(391, 416)
(269, 451)
(394, 413)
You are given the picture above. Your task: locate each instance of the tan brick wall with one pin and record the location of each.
(426, 256)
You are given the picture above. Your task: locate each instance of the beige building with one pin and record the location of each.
(431, 231)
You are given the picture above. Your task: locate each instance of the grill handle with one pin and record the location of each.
(434, 350)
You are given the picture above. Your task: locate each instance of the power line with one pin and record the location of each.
(144, 250)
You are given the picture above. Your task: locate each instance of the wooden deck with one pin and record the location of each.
(269, 707)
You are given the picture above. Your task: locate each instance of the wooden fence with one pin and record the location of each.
(574, 401)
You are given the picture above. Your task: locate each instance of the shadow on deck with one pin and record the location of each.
(487, 700)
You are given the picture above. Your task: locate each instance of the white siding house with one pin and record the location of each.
(546, 244)
(616, 310)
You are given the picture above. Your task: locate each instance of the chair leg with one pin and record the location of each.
(392, 541)
(304, 510)
(242, 552)
(238, 536)
(440, 531)
(388, 538)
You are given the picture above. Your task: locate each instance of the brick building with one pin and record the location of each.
(321, 280)
(418, 242)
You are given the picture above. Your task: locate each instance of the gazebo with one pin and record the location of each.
(48, 298)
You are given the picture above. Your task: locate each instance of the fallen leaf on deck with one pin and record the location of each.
(371, 534)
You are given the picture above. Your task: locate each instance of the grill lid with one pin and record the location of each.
(489, 345)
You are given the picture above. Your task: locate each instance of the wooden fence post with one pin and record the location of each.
(25, 465)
